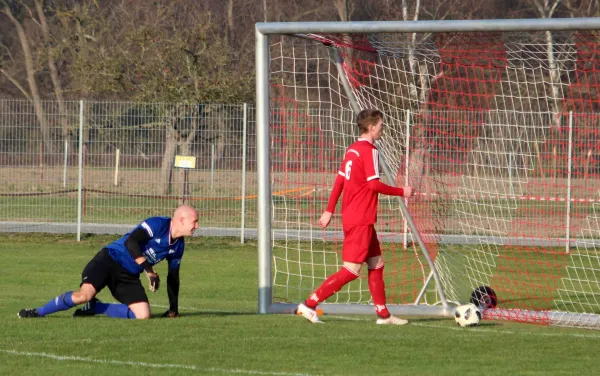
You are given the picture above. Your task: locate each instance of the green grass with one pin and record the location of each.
(542, 218)
(540, 278)
(116, 209)
(219, 332)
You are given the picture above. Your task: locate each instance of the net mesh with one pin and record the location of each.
(496, 131)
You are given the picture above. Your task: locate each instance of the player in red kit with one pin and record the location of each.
(358, 178)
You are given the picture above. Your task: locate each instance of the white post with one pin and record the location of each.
(117, 156)
(243, 214)
(212, 167)
(406, 166)
(65, 165)
(80, 177)
(263, 171)
(569, 170)
(510, 180)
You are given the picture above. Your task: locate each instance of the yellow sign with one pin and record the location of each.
(184, 161)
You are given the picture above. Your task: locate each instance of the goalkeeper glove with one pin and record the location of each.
(154, 280)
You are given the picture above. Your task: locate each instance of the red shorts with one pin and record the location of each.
(360, 244)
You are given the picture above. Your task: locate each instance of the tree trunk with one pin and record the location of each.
(412, 59)
(556, 115)
(265, 12)
(230, 25)
(35, 94)
(168, 158)
(586, 165)
(344, 9)
(185, 148)
(554, 81)
(53, 70)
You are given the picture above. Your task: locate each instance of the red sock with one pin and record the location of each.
(331, 285)
(377, 288)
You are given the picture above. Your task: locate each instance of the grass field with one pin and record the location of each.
(220, 333)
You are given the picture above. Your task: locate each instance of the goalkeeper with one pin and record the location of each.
(119, 265)
(358, 178)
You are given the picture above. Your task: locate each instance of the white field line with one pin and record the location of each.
(81, 340)
(145, 364)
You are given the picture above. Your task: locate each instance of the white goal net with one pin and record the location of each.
(498, 131)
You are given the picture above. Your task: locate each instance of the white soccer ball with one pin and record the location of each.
(467, 315)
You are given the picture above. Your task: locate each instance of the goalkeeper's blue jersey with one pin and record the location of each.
(160, 246)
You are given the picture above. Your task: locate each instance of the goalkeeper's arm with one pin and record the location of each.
(173, 292)
(132, 243)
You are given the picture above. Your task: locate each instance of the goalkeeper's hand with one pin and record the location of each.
(408, 191)
(154, 280)
(170, 314)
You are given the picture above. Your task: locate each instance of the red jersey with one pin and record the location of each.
(360, 165)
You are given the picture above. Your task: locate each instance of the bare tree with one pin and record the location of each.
(51, 53)
(344, 8)
(420, 80)
(546, 9)
(171, 53)
(582, 8)
(265, 11)
(588, 137)
(34, 92)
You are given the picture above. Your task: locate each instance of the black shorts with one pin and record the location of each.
(104, 271)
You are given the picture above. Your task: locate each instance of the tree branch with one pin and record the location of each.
(16, 83)
(541, 8)
(553, 8)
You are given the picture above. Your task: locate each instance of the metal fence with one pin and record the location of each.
(100, 167)
(92, 166)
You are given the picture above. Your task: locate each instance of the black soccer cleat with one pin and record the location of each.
(28, 313)
(87, 309)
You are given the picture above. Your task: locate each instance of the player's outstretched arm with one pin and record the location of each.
(173, 292)
(377, 186)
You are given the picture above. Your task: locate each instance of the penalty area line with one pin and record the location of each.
(145, 364)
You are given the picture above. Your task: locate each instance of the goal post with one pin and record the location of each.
(502, 139)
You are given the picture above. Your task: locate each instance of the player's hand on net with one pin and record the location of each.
(170, 314)
(154, 280)
(325, 219)
(408, 191)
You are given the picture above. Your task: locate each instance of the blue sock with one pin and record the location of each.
(120, 311)
(60, 303)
